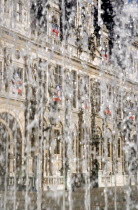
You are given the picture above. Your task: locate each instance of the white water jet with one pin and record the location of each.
(69, 102)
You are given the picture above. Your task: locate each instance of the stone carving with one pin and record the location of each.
(7, 66)
(17, 54)
(7, 57)
(51, 81)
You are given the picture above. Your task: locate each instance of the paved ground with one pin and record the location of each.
(59, 200)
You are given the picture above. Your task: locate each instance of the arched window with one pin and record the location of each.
(70, 11)
(4, 143)
(75, 138)
(58, 76)
(95, 95)
(74, 85)
(55, 26)
(86, 92)
(19, 11)
(39, 16)
(95, 23)
(1, 75)
(57, 139)
(83, 91)
(119, 104)
(13, 141)
(109, 144)
(82, 144)
(119, 147)
(6, 6)
(109, 148)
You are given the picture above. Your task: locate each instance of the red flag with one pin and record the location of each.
(17, 84)
(58, 94)
(106, 56)
(132, 117)
(108, 112)
(55, 29)
(86, 104)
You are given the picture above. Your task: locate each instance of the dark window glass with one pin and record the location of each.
(0, 75)
(58, 75)
(19, 11)
(57, 139)
(109, 148)
(119, 147)
(74, 76)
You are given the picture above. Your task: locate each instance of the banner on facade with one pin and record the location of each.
(58, 95)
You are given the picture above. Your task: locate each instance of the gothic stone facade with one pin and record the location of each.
(56, 110)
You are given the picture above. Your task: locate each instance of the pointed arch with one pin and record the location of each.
(4, 108)
(14, 140)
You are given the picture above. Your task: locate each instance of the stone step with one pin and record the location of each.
(97, 199)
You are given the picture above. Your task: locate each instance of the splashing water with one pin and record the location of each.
(68, 104)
